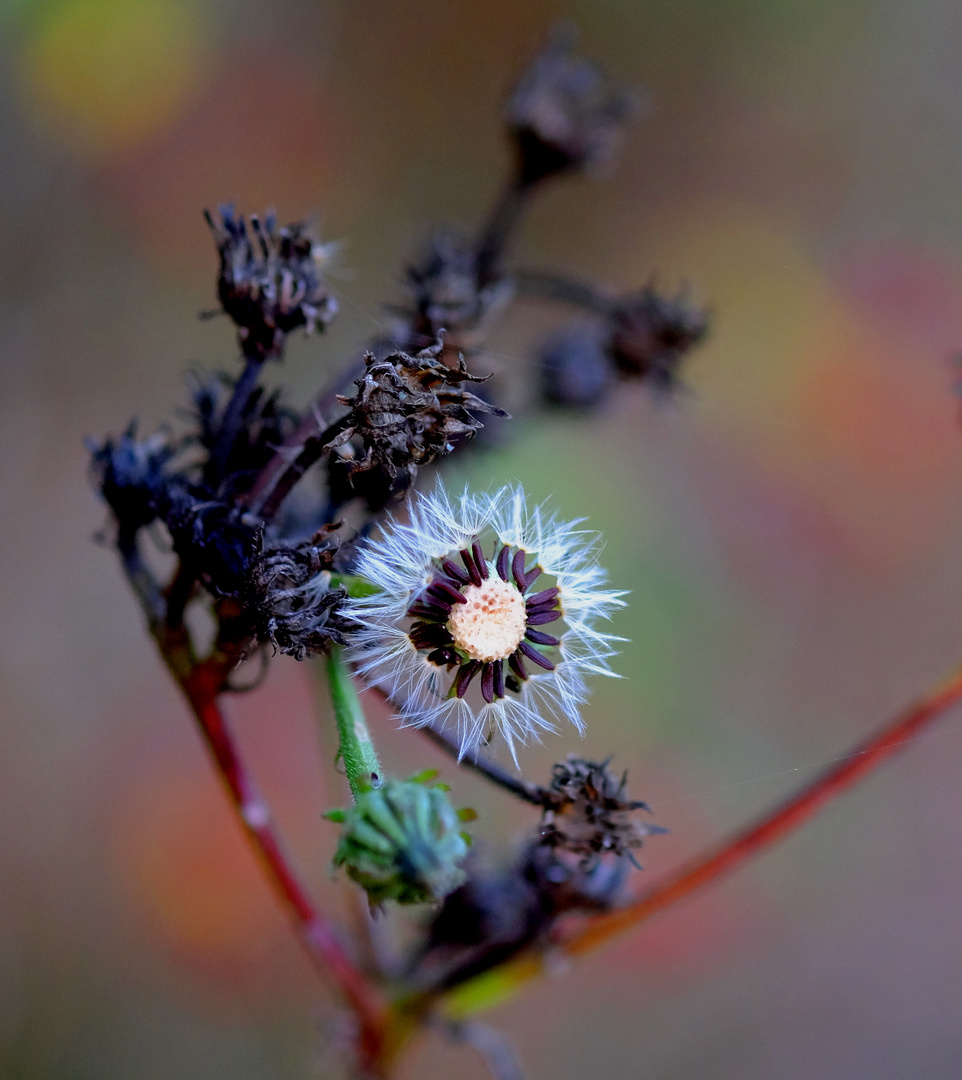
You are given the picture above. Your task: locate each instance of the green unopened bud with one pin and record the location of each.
(402, 842)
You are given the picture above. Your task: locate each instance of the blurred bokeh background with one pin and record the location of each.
(789, 530)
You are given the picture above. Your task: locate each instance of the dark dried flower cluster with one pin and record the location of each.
(643, 336)
(270, 280)
(258, 423)
(446, 295)
(501, 910)
(564, 114)
(295, 598)
(652, 334)
(587, 814)
(258, 548)
(129, 473)
(410, 410)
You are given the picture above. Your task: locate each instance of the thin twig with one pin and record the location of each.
(298, 460)
(230, 422)
(727, 856)
(549, 285)
(201, 687)
(473, 760)
(494, 236)
(261, 496)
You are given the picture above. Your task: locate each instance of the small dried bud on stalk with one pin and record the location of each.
(652, 334)
(575, 371)
(129, 473)
(402, 842)
(270, 280)
(564, 114)
(587, 814)
(447, 296)
(410, 410)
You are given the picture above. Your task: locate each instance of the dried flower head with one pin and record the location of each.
(296, 603)
(447, 296)
(410, 410)
(564, 113)
(270, 280)
(402, 842)
(215, 539)
(460, 634)
(587, 812)
(652, 334)
(129, 473)
(575, 371)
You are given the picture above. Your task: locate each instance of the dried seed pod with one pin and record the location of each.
(587, 812)
(296, 605)
(574, 370)
(564, 114)
(651, 335)
(446, 294)
(410, 410)
(129, 473)
(270, 281)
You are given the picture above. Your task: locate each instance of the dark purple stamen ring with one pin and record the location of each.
(433, 606)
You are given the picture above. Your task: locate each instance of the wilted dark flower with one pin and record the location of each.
(564, 113)
(215, 539)
(261, 424)
(574, 370)
(403, 842)
(446, 293)
(410, 410)
(587, 813)
(500, 910)
(652, 334)
(270, 280)
(295, 603)
(129, 472)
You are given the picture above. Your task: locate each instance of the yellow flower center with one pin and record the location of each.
(492, 621)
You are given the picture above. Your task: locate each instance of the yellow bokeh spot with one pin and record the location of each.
(105, 74)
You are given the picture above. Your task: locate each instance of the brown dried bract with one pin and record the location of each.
(269, 281)
(410, 410)
(587, 812)
(564, 113)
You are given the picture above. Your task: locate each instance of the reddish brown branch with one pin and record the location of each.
(202, 682)
(731, 853)
(201, 687)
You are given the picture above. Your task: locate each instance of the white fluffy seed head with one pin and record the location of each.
(399, 564)
(491, 622)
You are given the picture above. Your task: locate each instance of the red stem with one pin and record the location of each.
(746, 844)
(201, 686)
(786, 818)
